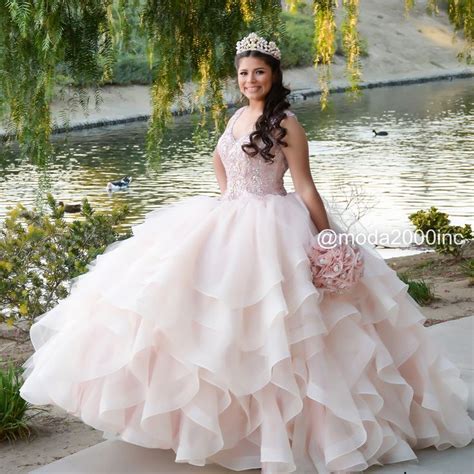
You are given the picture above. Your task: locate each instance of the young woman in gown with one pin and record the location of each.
(203, 332)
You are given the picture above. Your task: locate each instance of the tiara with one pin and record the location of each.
(253, 42)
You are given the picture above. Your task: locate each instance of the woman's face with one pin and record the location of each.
(255, 78)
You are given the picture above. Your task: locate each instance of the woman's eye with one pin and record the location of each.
(258, 72)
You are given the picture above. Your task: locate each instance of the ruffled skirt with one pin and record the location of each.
(204, 334)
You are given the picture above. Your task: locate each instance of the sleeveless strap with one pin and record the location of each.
(234, 117)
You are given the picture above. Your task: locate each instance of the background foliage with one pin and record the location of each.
(48, 46)
(433, 223)
(40, 253)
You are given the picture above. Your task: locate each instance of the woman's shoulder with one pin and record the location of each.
(289, 119)
(288, 113)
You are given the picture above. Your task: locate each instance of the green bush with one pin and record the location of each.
(438, 233)
(15, 413)
(131, 69)
(40, 253)
(297, 49)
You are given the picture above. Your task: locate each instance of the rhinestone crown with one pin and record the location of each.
(253, 42)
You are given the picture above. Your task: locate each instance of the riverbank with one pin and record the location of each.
(401, 51)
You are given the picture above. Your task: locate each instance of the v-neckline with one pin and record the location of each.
(237, 140)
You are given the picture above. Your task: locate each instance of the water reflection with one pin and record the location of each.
(427, 158)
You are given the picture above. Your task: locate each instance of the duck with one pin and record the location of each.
(71, 208)
(382, 133)
(119, 184)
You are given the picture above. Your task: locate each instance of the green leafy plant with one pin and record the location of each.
(438, 233)
(40, 253)
(15, 413)
(419, 290)
(468, 268)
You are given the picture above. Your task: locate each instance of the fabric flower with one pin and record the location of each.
(335, 268)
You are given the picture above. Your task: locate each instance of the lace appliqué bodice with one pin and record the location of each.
(247, 175)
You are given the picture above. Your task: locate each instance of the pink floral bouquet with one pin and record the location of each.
(336, 266)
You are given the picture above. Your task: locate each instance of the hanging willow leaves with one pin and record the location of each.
(46, 46)
(461, 16)
(351, 44)
(39, 42)
(200, 34)
(325, 44)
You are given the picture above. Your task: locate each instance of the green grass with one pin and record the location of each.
(419, 290)
(15, 413)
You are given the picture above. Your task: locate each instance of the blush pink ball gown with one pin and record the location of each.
(204, 334)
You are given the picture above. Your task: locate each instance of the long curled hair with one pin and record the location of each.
(268, 124)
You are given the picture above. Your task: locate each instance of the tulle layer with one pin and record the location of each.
(203, 333)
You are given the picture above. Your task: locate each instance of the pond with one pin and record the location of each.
(427, 159)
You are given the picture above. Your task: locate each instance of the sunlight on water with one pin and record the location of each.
(426, 160)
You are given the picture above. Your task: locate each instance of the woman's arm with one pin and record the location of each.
(220, 171)
(297, 156)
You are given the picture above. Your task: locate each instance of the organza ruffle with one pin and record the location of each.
(204, 333)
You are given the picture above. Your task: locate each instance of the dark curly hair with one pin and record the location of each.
(268, 124)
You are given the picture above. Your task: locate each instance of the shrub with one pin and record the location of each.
(40, 253)
(131, 69)
(438, 233)
(297, 47)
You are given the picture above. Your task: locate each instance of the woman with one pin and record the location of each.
(214, 342)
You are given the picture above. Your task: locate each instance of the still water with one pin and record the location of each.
(426, 160)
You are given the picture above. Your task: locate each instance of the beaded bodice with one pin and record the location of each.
(246, 174)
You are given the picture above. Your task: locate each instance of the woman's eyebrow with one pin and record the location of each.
(256, 69)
